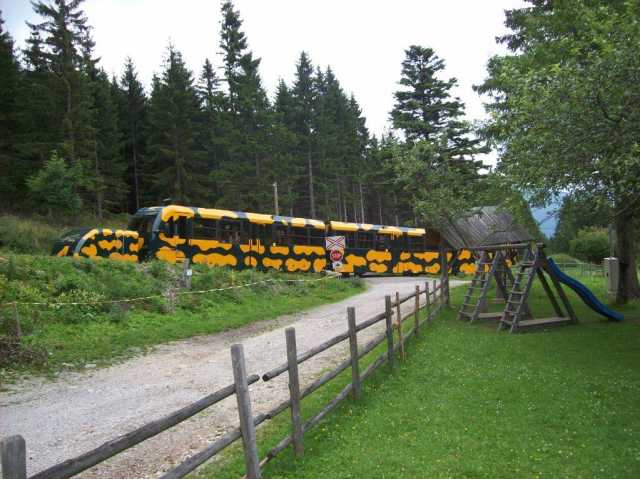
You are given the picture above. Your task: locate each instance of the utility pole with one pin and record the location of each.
(275, 197)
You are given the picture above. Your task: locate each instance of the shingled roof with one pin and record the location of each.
(484, 226)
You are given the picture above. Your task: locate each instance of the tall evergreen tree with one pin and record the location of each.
(424, 105)
(134, 127)
(175, 156)
(246, 120)
(10, 79)
(304, 101)
(65, 53)
(288, 172)
(212, 100)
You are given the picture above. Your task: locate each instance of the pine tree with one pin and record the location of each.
(212, 100)
(246, 120)
(11, 178)
(65, 35)
(287, 171)
(134, 127)
(175, 156)
(109, 175)
(424, 106)
(304, 101)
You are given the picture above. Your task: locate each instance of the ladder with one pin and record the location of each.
(475, 299)
(516, 308)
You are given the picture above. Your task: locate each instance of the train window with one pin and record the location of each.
(280, 234)
(299, 235)
(233, 231)
(205, 228)
(349, 237)
(142, 224)
(384, 242)
(365, 239)
(417, 243)
(316, 237)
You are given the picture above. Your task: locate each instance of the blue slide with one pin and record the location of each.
(585, 293)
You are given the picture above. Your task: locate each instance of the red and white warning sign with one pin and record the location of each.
(335, 242)
(335, 245)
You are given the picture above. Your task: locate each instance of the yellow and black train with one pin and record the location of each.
(250, 240)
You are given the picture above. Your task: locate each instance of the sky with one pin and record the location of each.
(364, 42)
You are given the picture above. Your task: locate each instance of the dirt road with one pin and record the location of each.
(79, 411)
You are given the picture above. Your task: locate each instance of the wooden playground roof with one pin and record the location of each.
(484, 226)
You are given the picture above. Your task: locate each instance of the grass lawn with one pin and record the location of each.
(56, 337)
(471, 402)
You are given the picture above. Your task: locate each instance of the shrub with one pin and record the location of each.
(55, 188)
(591, 244)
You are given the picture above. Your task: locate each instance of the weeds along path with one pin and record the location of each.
(76, 412)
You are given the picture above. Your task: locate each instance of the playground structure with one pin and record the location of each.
(499, 243)
(493, 264)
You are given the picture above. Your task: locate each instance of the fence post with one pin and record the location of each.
(435, 291)
(428, 305)
(353, 346)
(444, 275)
(16, 317)
(294, 391)
(387, 309)
(399, 314)
(14, 458)
(416, 311)
(247, 427)
(187, 272)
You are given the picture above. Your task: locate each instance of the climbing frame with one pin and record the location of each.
(515, 315)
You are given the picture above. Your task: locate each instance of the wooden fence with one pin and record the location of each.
(13, 449)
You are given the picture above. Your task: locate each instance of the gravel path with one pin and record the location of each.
(79, 411)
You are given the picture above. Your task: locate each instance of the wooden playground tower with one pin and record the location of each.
(494, 265)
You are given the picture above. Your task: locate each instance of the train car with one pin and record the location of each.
(357, 248)
(251, 240)
(214, 237)
(99, 243)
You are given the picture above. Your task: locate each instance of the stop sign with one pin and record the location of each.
(335, 255)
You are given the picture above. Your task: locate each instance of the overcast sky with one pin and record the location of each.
(363, 41)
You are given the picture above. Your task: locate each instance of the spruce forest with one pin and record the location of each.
(76, 139)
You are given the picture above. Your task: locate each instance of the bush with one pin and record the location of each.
(591, 244)
(22, 235)
(54, 188)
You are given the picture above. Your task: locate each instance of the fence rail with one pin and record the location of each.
(13, 449)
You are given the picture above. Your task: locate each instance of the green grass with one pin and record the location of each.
(564, 258)
(56, 337)
(36, 235)
(472, 402)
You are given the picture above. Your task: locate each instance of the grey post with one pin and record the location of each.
(17, 321)
(186, 273)
(417, 309)
(14, 458)
(244, 412)
(294, 391)
(353, 346)
(387, 308)
(435, 291)
(427, 306)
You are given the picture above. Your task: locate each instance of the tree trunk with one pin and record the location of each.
(135, 167)
(362, 219)
(312, 200)
(628, 287)
(98, 179)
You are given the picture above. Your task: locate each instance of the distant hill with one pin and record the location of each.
(547, 218)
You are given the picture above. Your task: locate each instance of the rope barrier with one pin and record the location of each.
(179, 293)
